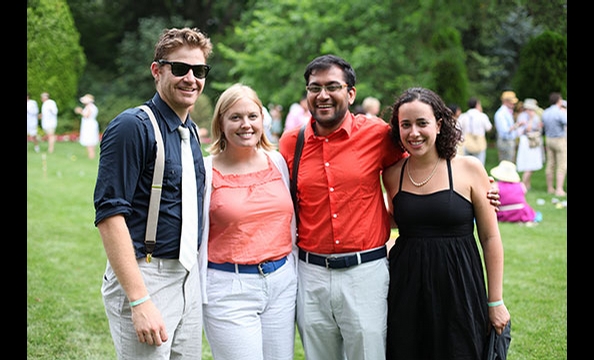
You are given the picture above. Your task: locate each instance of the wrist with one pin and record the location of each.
(139, 301)
(495, 303)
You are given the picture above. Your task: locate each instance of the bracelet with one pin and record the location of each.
(139, 301)
(495, 303)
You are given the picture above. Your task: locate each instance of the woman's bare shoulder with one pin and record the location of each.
(468, 163)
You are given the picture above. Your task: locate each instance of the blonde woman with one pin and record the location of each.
(249, 229)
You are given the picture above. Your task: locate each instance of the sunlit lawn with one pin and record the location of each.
(66, 260)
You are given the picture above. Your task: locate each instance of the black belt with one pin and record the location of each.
(344, 261)
(263, 268)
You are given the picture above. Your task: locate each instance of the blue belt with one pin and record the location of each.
(344, 261)
(263, 268)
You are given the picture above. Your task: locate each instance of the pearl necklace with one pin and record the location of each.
(424, 181)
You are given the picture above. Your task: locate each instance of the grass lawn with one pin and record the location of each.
(66, 260)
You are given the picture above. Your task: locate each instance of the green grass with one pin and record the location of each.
(66, 260)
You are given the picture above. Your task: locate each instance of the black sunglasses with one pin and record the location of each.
(181, 69)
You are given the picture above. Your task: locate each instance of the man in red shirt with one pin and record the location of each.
(343, 222)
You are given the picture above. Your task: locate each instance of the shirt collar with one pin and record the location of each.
(168, 115)
(345, 127)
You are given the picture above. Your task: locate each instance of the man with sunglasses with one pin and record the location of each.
(343, 224)
(152, 301)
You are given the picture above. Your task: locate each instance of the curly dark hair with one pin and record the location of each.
(450, 133)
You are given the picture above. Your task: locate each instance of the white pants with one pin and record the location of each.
(250, 316)
(176, 293)
(342, 313)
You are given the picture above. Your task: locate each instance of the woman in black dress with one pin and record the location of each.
(439, 306)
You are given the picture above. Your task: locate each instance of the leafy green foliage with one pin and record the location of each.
(55, 59)
(271, 46)
(512, 32)
(449, 70)
(268, 43)
(543, 67)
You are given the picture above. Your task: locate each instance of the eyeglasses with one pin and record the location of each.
(316, 89)
(181, 69)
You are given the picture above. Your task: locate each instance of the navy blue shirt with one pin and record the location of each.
(126, 165)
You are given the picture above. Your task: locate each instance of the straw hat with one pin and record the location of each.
(505, 171)
(509, 95)
(88, 98)
(531, 104)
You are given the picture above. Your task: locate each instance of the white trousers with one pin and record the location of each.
(342, 313)
(250, 316)
(176, 293)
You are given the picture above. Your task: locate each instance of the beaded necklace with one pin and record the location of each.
(419, 184)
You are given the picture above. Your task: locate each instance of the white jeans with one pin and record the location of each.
(342, 313)
(250, 316)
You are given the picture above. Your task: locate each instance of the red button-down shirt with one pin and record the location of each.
(341, 203)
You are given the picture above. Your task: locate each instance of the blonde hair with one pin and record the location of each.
(370, 103)
(227, 99)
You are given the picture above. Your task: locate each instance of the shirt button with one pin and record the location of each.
(331, 189)
(337, 241)
(326, 140)
(335, 215)
(327, 164)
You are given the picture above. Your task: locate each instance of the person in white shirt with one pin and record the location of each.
(506, 126)
(89, 126)
(32, 121)
(49, 119)
(474, 121)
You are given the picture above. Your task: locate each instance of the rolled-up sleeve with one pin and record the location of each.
(123, 157)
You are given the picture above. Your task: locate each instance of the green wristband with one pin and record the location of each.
(139, 301)
(495, 303)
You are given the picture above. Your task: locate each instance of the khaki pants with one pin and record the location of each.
(556, 161)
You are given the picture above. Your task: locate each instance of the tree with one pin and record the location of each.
(101, 35)
(507, 40)
(268, 43)
(55, 59)
(272, 43)
(543, 67)
(451, 79)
